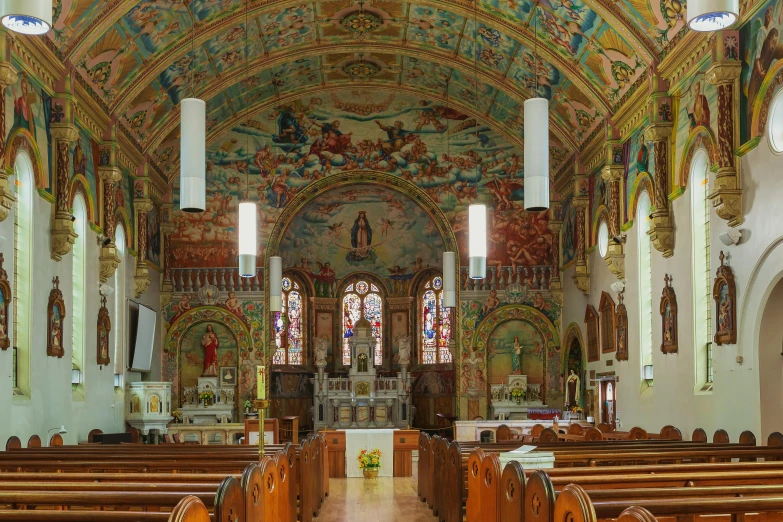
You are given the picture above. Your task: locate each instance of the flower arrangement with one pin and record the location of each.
(177, 415)
(369, 459)
(577, 409)
(206, 396)
(518, 393)
(248, 405)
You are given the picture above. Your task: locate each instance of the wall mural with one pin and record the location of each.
(762, 48)
(26, 105)
(515, 348)
(283, 150)
(638, 161)
(367, 228)
(84, 165)
(201, 352)
(698, 107)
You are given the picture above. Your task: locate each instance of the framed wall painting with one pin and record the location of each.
(5, 301)
(104, 328)
(668, 311)
(606, 309)
(55, 316)
(725, 295)
(591, 325)
(621, 327)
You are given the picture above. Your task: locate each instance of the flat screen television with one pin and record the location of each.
(142, 321)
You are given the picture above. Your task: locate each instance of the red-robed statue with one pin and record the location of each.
(210, 343)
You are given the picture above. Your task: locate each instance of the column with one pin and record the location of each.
(166, 229)
(581, 202)
(556, 225)
(143, 204)
(8, 77)
(109, 259)
(725, 75)
(659, 133)
(615, 253)
(63, 234)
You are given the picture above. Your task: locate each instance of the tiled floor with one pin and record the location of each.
(379, 500)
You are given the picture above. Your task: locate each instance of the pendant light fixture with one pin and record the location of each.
(712, 15)
(536, 124)
(248, 213)
(449, 279)
(275, 284)
(192, 146)
(33, 17)
(477, 213)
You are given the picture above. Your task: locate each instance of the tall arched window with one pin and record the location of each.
(362, 298)
(288, 326)
(23, 255)
(700, 267)
(79, 274)
(435, 323)
(118, 317)
(645, 279)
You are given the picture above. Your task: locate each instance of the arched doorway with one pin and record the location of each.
(770, 344)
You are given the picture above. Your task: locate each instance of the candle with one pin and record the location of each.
(261, 382)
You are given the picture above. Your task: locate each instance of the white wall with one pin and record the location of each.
(51, 402)
(734, 404)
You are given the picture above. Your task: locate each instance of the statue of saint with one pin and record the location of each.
(210, 343)
(572, 389)
(516, 359)
(404, 342)
(321, 349)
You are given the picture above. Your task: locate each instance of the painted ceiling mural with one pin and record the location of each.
(452, 157)
(143, 57)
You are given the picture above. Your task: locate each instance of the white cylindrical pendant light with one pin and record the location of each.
(536, 154)
(275, 284)
(193, 155)
(712, 15)
(477, 241)
(248, 239)
(27, 16)
(449, 279)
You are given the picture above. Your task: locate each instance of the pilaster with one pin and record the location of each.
(613, 173)
(556, 225)
(8, 76)
(661, 225)
(63, 234)
(143, 204)
(581, 202)
(110, 175)
(167, 228)
(727, 192)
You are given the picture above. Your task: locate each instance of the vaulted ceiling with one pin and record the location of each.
(246, 57)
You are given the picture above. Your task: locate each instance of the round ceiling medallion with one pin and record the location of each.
(361, 70)
(361, 22)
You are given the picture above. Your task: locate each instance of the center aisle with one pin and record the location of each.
(379, 500)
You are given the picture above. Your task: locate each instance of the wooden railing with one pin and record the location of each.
(499, 278)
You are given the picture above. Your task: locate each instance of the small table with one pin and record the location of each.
(289, 429)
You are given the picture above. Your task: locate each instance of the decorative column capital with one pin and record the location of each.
(723, 72)
(8, 74)
(658, 131)
(64, 132)
(142, 206)
(110, 174)
(612, 172)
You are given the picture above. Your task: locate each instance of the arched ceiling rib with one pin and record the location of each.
(426, 62)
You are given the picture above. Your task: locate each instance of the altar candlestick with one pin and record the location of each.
(261, 382)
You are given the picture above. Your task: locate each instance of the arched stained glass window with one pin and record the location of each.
(288, 326)
(435, 324)
(362, 298)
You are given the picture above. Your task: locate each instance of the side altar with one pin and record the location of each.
(362, 400)
(512, 399)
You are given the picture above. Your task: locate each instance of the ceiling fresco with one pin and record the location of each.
(143, 57)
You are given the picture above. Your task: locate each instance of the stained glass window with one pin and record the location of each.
(357, 300)
(435, 324)
(287, 326)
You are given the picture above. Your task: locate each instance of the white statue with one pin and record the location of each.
(321, 348)
(404, 343)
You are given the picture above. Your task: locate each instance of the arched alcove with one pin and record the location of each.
(770, 343)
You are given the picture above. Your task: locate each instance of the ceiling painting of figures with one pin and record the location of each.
(452, 157)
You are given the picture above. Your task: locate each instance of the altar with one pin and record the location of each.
(512, 399)
(209, 402)
(362, 400)
(357, 440)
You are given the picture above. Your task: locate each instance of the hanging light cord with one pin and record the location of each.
(192, 56)
(247, 106)
(535, 46)
(475, 73)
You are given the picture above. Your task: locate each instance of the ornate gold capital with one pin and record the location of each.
(109, 260)
(555, 226)
(166, 293)
(142, 205)
(63, 235)
(64, 132)
(110, 174)
(662, 232)
(612, 172)
(582, 277)
(8, 74)
(658, 131)
(723, 72)
(141, 279)
(615, 259)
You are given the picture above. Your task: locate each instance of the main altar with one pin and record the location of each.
(361, 400)
(513, 399)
